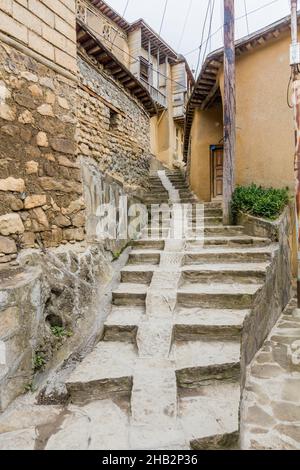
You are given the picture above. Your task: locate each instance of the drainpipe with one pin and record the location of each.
(294, 62)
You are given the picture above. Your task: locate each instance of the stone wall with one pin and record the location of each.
(47, 28)
(278, 287)
(40, 181)
(51, 306)
(113, 127)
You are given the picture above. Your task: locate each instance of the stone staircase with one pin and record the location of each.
(168, 367)
(167, 372)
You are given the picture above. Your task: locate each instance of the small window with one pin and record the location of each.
(113, 120)
(145, 72)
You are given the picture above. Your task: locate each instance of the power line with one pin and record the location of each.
(237, 19)
(124, 13)
(185, 25)
(247, 22)
(202, 36)
(163, 17)
(210, 26)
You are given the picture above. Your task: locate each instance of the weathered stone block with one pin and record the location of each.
(65, 186)
(63, 145)
(12, 184)
(74, 234)
(11, 224)
(31, 167)
(36, 200)
(7, 246)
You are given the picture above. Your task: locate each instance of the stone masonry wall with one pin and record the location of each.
(113, 128)
(40, 181)
(46, 27)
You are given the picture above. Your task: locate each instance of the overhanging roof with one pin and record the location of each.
(97, 50)
(206, 89)
(111, 14)
(157, 43)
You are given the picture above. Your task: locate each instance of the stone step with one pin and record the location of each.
(227, 255)
(226, 273)
(230, 241)
(221, 230)
(218, 295)
(144, 257)
(193, 323)
(200, 362)
(122, 323)
(210, 220)
(210, 418)
(141, 274)
(155, 233)
(130, 294)
(149, 244)
(105, 373)
(125, 316)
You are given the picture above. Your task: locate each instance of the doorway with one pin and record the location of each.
(216, 162)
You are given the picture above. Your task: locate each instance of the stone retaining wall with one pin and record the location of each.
(39, 176)
(113, 127)
(277, 289)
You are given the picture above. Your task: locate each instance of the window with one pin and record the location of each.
(113, 120)
(144, 71)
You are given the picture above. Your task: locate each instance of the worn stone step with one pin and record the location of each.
(122, 323)
(141, 274)
(125, 316)
(206, 220)
(106, 372)
(226, 273)
(155, 232)
(200, 362)
(222, 240)
(193, 323)
(149, 244)
(210, 419)
(214, 255)
(218, 295)
(221, 230)
(130, 294)
(99, 425)
(144, 256)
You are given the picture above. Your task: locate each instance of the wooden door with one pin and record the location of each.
(217, 160)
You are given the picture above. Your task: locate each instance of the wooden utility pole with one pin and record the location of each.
(229, 109)
(295, 61)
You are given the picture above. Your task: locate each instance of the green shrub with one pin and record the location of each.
(38, 361)
(258, 201)
(60, 332)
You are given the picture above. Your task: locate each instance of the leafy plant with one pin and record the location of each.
(60, 332)
(38, 361)
(258, 201)
(29, 388)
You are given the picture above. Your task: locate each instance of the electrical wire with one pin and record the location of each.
(237, 19)
(185, 25)
(202, 36)
(288, 91)
(247, 22)
(163, 17)
(124, 13)
(210, 26)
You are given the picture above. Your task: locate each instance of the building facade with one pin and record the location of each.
(265, 145)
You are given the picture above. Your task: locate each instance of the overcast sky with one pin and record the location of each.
(152, 12)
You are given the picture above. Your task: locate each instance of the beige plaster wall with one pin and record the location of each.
(207, 130)
(265, 137)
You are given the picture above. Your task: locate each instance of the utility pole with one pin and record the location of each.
(229, 110)
(294, 62)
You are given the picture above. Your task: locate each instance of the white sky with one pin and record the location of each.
(152, 12)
